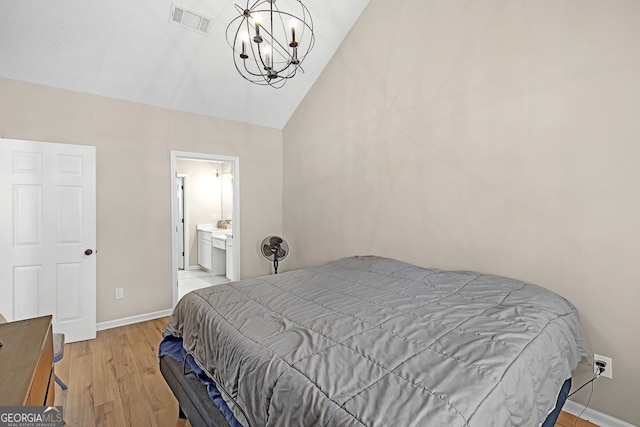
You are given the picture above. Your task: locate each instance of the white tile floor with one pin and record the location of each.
(190, 280)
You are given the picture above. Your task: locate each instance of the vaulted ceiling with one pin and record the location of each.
(130, 50)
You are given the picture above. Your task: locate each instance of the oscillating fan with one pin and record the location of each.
(274, 248)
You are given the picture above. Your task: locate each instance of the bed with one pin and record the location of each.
(370, 341)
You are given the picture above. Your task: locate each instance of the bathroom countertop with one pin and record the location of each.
(219, 233)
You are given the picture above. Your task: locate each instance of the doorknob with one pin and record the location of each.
(88, 252)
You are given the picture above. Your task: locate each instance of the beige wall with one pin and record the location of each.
(498, 136)
(133, 143)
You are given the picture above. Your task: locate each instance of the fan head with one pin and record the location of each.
(272, 246)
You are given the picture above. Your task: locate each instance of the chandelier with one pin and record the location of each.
(270, 39)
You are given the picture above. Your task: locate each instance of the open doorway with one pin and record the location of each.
(205, 220)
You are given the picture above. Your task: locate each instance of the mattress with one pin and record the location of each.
(375, 341)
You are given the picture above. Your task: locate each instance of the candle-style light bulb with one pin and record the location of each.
(244, 38)
(294, 42)
(257, 38)
(268, 58)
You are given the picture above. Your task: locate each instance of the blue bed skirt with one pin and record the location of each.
(172, 347)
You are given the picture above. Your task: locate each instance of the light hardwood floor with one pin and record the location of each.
(567, 420)
(114, 380)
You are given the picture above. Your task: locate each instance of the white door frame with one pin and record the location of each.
(185, 207)
(235, 220)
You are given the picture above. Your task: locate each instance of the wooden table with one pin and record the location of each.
(26, 363)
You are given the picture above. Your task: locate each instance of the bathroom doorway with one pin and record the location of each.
(206, 187)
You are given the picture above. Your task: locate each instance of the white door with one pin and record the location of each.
(180, 225)
(48, 234)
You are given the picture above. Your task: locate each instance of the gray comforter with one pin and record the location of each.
(368, 341)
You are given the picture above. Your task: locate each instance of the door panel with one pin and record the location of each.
(26, 286)
(29, 163)
(70, 164)
(70, 292)
(27, 215)
(46, 228)
(69, 206)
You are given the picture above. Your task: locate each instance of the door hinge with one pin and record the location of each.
(182, 253)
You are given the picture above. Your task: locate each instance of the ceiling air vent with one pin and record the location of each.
(189, 19)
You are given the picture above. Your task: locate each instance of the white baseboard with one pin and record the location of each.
(594, 416)
(133, 319)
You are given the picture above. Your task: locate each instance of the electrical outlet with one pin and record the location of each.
(608, 368)
(119, 293)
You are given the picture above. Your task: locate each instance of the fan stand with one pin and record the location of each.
(274, 250)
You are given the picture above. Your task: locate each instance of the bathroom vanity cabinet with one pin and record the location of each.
(204, 249)
(212, 254)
